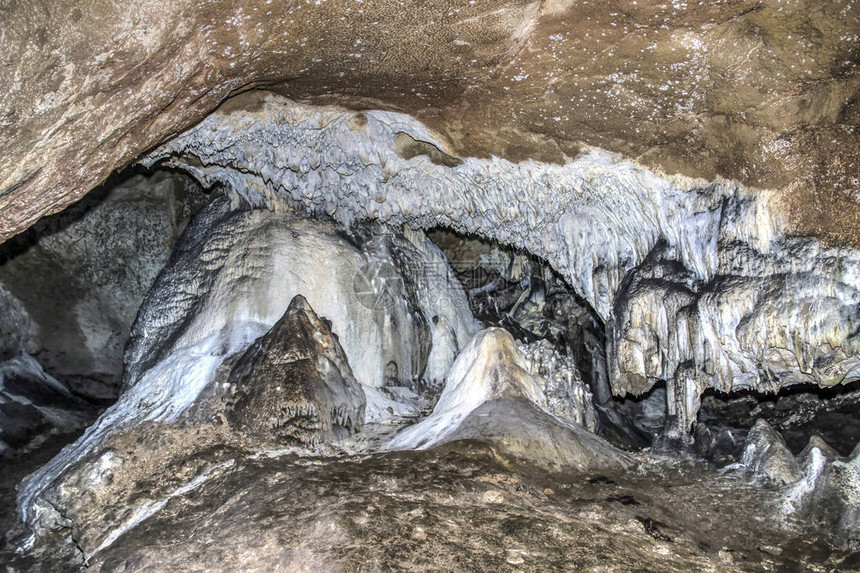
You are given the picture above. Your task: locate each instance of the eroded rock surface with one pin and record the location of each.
(294, 384)
(81, 275)
(762, 92)
(817, 487)
(494, 394)
(231, 278)
(462, 506)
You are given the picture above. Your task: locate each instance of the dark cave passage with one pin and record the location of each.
(71, 287)
(798, 413)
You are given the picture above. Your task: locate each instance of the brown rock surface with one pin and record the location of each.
(294, 384)
(465, 506)
(764, 92)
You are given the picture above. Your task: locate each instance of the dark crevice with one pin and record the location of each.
(797, 412)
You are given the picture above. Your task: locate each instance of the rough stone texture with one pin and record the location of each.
(505, 395)
(463, 506)
(766, 456)
(294, 384)
(82, 274)
(760, 91)
(230, 278)
(817, 487)
(18, 331)
(827, 493)
(238, 270)
(567, 397)
(699, 284)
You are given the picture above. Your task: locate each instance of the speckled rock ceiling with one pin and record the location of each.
(764, 92)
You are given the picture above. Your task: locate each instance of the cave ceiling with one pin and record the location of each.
(762, 92)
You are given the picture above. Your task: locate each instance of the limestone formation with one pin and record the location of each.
(567, 397)
(230, 278)
(827, 493)
(294, 384)
(244, 267)
(663, 198)
(494, 394)
(817, 486)
(490, 367)
(767, 458)
(699, 284)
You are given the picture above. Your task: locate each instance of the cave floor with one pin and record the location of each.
(460, 507)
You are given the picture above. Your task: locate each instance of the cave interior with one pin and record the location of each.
(378, 301)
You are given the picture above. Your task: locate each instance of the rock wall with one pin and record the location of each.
(759, 91)
(81, 275)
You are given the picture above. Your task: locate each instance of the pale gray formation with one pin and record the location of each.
(230, 278)
(82, 274)
(239, 270)
(520, 429)
(697, 283)
(294, 384)
(817, 486)
(504, 394)
(828, 493)
(567, 396)
(767, 458)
